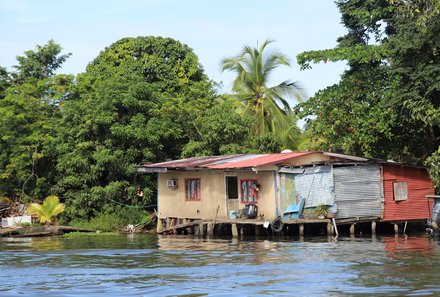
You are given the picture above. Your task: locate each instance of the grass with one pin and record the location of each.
(88, 234)
(113, 219)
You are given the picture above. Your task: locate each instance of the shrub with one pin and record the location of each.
(112, 219)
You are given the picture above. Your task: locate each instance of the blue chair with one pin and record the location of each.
(294, 211)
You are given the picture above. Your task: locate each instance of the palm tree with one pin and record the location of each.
(48, 211)
(269, 105)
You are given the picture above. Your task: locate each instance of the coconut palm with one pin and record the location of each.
(48, 211)
(269, 105)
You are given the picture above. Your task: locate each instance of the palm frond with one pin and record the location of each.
(269, 105)
(290, 89)
(50, 208)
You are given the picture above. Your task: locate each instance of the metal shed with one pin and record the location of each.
(358, 191)
(409, 202)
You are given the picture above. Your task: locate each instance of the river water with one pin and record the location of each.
(149, 265)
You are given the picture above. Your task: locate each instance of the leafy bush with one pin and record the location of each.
(112, 219)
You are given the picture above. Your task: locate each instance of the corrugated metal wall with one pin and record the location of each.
(315, 185)
(358, 191)
(417, 206)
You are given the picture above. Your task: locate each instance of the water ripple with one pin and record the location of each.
(143, 265)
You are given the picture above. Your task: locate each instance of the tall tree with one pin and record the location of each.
(5, 81)
(135, 103)
(221, 131)
(269, 105)
(387, 103)
(41, 63)
(27, 122)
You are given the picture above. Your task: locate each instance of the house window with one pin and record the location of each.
(400, 191)
(192, 189)
(249, 191)
(231, 187)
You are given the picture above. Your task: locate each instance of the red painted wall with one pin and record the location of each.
(417, 206)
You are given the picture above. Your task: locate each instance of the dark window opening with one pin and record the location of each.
(231, 187)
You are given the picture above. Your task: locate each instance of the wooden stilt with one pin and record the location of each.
(329, 229)
(159, 227)
(352, 229)
(234, 230)
(257, 230)
(396, 229)
(373, 227)
(167, 223)
(201, 229)
(301, 230)
(404, 228)
(241, 230)
(210, 228)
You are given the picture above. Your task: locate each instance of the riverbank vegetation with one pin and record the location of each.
(147, 99)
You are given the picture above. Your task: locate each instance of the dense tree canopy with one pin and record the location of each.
(387, 103)
(136, 103)
(221, 131)
(28, 114)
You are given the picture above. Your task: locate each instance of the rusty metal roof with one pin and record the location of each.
(250, 161)
(228, 162)
(257, 161)
(190, 162)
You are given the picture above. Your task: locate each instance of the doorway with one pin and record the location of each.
(232, 199)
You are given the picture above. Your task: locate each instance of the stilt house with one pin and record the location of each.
(216, 187)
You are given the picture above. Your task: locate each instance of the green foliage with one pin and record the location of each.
(47, 211)
(89, 234)
(220, 131)
(354, 54)
(112, 219)
(425, 11)
(268, 143)
(28, 115)
(432, 163)
(40, 64)
(5, 82)
(136, 103)
(387, 104)
(321, 210)
(268, 105)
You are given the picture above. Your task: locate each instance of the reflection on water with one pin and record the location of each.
(141, 265)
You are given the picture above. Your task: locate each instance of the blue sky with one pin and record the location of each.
(213, 29)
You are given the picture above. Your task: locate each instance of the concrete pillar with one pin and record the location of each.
(301, 230)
